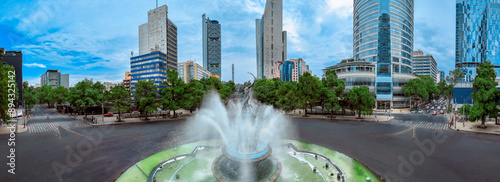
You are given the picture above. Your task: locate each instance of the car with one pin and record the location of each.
(434, 113)
(441, 112)
(420, 111)
(414, 112)
(109, 114)
(433, 108)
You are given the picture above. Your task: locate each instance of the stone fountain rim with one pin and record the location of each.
(261, 158)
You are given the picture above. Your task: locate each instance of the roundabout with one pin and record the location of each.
(291, 161)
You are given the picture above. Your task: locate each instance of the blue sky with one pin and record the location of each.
(93, 39)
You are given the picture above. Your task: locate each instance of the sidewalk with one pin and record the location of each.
(5, 129)
(114, 121)
(472, 127)
(373, 118)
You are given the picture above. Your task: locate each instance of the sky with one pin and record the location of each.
(94, 39)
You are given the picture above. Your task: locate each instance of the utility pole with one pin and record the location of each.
(25, 112)
(102, 113)
(454, 115)
(463, 111)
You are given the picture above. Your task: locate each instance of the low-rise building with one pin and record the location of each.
(54, 78)
(362, 73)
(190, 70)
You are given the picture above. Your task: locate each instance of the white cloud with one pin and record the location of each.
(35, 65)
(342, 8)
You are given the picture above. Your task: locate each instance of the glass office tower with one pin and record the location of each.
(383, 34)
(476, 35)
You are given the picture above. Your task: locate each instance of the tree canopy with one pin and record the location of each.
(145, 97)
(485, 94)
(173, 95)
(361, 100)
(120, 97)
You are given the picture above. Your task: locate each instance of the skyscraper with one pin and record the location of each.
(477, 36)
(159, 34)
(382, 49)
(212, 46)
(157, 49)
(15, 59)
(271, 39)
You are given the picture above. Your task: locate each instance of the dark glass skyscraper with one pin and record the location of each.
(212, 46)
(477, 32)
(383, 35)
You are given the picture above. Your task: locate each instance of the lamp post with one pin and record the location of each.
(25, 112)
(463, 111)
(102, 113)
(455, 116)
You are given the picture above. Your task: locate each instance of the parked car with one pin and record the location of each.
(414, 112)
(441, 112)
(420, 111)
(434, 113)
(109, 114)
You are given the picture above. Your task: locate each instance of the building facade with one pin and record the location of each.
(109, 85)
(212, 46)
(291, 70)
(190, 70)
(127, 82)
(159, 34)
(15, 59)
(383, 38)
(65, 80)
(477, 35)
(152, 66)
(55, 79)
(441, 76)
(271, 39)
(157, 49)
(425, 64)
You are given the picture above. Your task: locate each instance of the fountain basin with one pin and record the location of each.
(235, 155)
(296, 167)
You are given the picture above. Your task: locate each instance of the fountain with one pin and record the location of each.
(244, 141)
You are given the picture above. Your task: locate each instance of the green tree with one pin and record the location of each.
(58, 95)
(120, 97)
(265, 91)
(145, 97)
(307, 91)
(361, 100)
(332, 89)
(420, 88)
(7, 97)
(231, 85)
(173, 95)
(43, 94)
(452, 80)
(485, 94)
(194, 95)
(288, 97)
(29, 96)
(80, 96)
(465, 110)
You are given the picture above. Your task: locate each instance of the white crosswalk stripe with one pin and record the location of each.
(419, 124)
(52, 126)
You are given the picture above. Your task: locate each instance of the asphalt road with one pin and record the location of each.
(389, 149)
